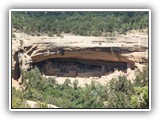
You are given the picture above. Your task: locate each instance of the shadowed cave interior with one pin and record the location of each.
(68, 67)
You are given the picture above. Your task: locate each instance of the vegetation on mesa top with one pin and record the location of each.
(81, 23)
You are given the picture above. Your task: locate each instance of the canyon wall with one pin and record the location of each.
(28, 50)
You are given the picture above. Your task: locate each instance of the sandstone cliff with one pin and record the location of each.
(27, 50)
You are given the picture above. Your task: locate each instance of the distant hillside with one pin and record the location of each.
(82, 23)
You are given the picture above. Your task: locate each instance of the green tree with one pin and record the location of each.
(82, 23)
(142, 78)
(139, 99)
(17, 99)
(118, 92)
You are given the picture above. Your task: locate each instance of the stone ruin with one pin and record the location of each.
(71, 57)
(78, 67)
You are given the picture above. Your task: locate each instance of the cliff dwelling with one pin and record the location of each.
(79, 59)
(74, 56)
(78, 67)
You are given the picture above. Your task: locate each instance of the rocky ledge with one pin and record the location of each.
(128, 49)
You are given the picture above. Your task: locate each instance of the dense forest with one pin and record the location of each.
(81, 23)
(118, 93)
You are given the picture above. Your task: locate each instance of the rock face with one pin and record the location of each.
(20, 59)
(120, 51)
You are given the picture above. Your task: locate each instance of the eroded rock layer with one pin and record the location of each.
(98, 52)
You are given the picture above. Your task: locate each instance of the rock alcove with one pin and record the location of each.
(80, 56)
(62, 67)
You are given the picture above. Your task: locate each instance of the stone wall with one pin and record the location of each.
(80, 68)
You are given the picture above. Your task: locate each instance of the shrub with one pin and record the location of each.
(41, 105)
(141, 79)
(140, 98)
(18, 100)
(13, 35)
(118, 93)
(50, 34)
(38, 34)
